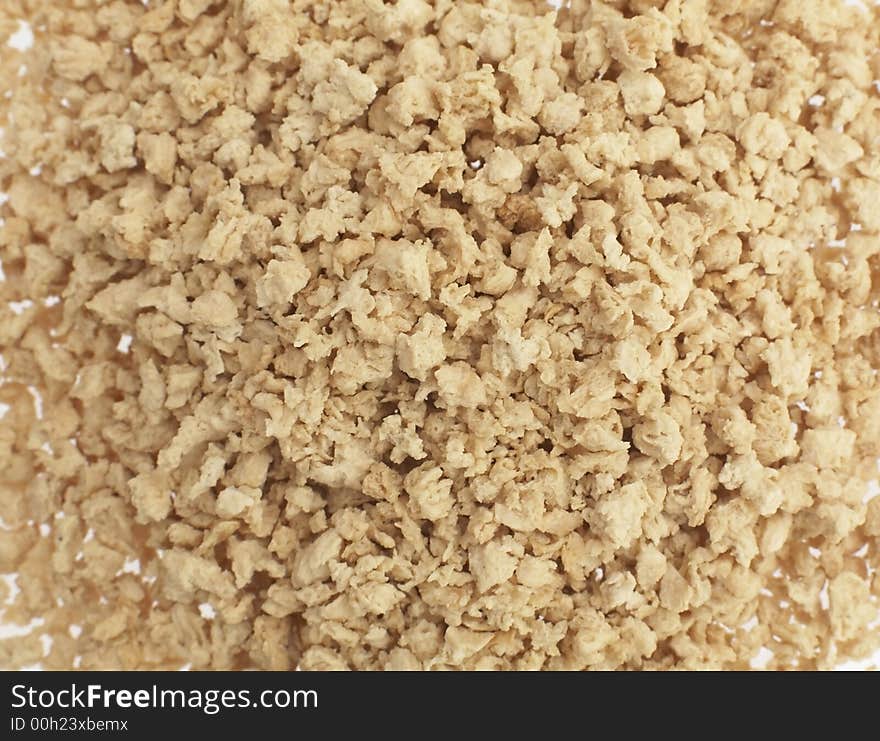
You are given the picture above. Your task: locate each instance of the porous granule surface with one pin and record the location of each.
(440, 335)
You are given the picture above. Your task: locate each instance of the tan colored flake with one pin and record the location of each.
(459, 385)
(423, 350)
(282, 280)
(618, 514)
(494, 563)
(642, 93)
(429, 492)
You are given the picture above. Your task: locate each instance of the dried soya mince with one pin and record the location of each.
(463, 335)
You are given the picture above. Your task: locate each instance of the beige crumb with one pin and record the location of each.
(451, 335)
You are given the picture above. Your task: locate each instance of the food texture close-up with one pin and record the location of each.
(439, 335)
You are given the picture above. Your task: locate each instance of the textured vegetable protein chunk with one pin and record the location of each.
(440, 335)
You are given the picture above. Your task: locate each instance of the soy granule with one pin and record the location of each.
(440, 335)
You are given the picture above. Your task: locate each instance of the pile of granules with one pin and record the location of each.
(440, 335)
